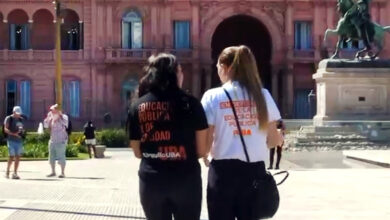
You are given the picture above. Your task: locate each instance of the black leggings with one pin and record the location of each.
(229, 188)
(181, 198)
(271, 156)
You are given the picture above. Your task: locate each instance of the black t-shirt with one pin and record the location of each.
(89, 132)
(166, 127)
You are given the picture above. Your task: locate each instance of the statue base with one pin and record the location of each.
(352, 90)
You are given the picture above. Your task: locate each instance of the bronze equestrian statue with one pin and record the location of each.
(355, 24)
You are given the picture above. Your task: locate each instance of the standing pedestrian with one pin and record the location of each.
(14, 130)
(90, 140)
(234, 167)
(168, 133)
(281, 129)
(57, 122)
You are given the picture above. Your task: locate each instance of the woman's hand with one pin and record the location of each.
(206, 160)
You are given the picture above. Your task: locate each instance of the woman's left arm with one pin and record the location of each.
(136, 146)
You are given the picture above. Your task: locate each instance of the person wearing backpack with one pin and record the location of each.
(58, 123)
(13, 131)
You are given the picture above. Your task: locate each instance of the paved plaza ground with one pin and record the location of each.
(322, 185)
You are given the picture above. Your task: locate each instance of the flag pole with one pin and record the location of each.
(58, 62)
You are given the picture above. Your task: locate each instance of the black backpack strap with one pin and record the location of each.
(238, 125)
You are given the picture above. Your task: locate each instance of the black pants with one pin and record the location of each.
(180, 198)
(229, 188)
(278, 156)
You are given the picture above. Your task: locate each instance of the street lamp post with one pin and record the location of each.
(58, 84)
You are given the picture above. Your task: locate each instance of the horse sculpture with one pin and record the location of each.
(346, 30)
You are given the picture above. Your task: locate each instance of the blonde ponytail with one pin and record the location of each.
(243, 68)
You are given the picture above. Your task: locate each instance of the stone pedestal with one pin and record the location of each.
(352, 91)
(100, 151)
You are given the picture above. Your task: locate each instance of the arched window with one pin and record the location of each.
(19, 32)
(131, 31)
(43, 31)
(18, 92)
(70, 31)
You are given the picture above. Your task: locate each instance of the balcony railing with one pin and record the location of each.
(128, 55)
(114, 55)
(308, 53)
(182, 54)
(39, 55)
(17, 55)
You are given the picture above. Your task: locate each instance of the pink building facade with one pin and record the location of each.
(105, 44)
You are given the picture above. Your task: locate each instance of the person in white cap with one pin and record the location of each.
(13, 128)
(57, 122)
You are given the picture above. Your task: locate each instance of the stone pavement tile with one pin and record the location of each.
(378, 157)
(108, 189)
(335, 194)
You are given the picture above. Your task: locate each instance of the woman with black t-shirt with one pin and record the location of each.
(168, 132)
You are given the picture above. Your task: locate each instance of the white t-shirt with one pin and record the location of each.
(227, 143)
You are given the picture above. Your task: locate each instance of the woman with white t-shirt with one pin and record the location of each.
(233, 169)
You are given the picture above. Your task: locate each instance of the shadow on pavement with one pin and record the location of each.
(71, 213)
(86, 178)
(41, 179)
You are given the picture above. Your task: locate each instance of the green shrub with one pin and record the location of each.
(2, 139)
(76, 138)
(72, 150)
(36, 150)
(83, 149)
(3, 151)
(35, 138)
(112, 138)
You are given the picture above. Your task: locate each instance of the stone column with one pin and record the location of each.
(109, 24)
(154, 20)
(94, 32)
(330, 23)
(168, 28)
(29, 40)
(88, 30)
(208, 75)
(195, 79)
(195, 31)
(290, 91)
(275, 80)
(318, 27)
(6, 40)
(93, 88)
(81, 35)
(290, 30)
